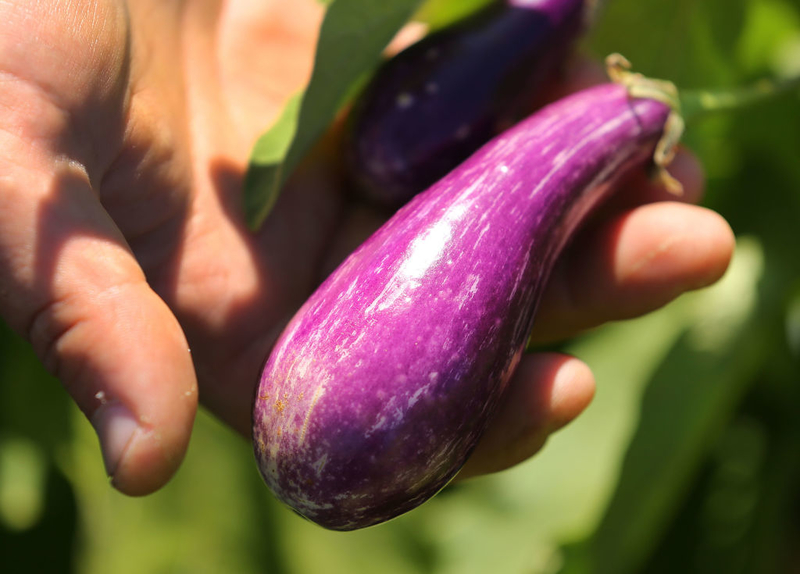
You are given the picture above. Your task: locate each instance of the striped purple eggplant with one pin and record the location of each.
(384, 381)
(428, 108)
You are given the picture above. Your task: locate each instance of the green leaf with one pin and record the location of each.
(771, 24)
(689, 43)
(212, 517)
(688, 400)
(265, 175)
(36, 409)
(22, 475)
(352, 37)
(439, 13)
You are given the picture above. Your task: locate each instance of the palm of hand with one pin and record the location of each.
(146, 155)
(126, 131)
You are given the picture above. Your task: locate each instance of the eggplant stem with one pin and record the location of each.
(688, 105)
(665, 152)
(640, 86)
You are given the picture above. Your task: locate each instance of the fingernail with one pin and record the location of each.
(572, 391)
(115, 426)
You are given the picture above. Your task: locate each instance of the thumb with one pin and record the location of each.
(71, 286)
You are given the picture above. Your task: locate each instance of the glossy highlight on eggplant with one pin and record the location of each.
(428, 108)
(383, 382)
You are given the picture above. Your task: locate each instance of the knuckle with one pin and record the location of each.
(48, 325)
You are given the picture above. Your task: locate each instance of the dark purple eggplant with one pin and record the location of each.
(428, 108)
(384, 381)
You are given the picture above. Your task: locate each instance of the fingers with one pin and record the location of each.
(640, 187)
(621, 267)
(548, 391)
(633, 264)
(640, 250)
(69, 284)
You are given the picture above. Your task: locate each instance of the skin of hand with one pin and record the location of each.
(125, 130)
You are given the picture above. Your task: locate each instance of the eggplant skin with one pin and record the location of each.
(383, 382)
(432, 105)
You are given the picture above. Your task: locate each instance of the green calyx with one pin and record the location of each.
(638, 86)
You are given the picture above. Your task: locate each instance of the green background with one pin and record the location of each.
(687, 461)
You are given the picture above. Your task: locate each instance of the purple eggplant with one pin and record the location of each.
(384, 381)
(428, 108)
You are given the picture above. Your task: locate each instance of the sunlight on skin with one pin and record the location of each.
(138, 127)
(260, 82)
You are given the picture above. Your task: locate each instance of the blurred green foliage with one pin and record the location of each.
(687, 461)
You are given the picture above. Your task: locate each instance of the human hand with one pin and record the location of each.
(126, 129)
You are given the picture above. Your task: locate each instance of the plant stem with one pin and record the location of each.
(701, 102)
